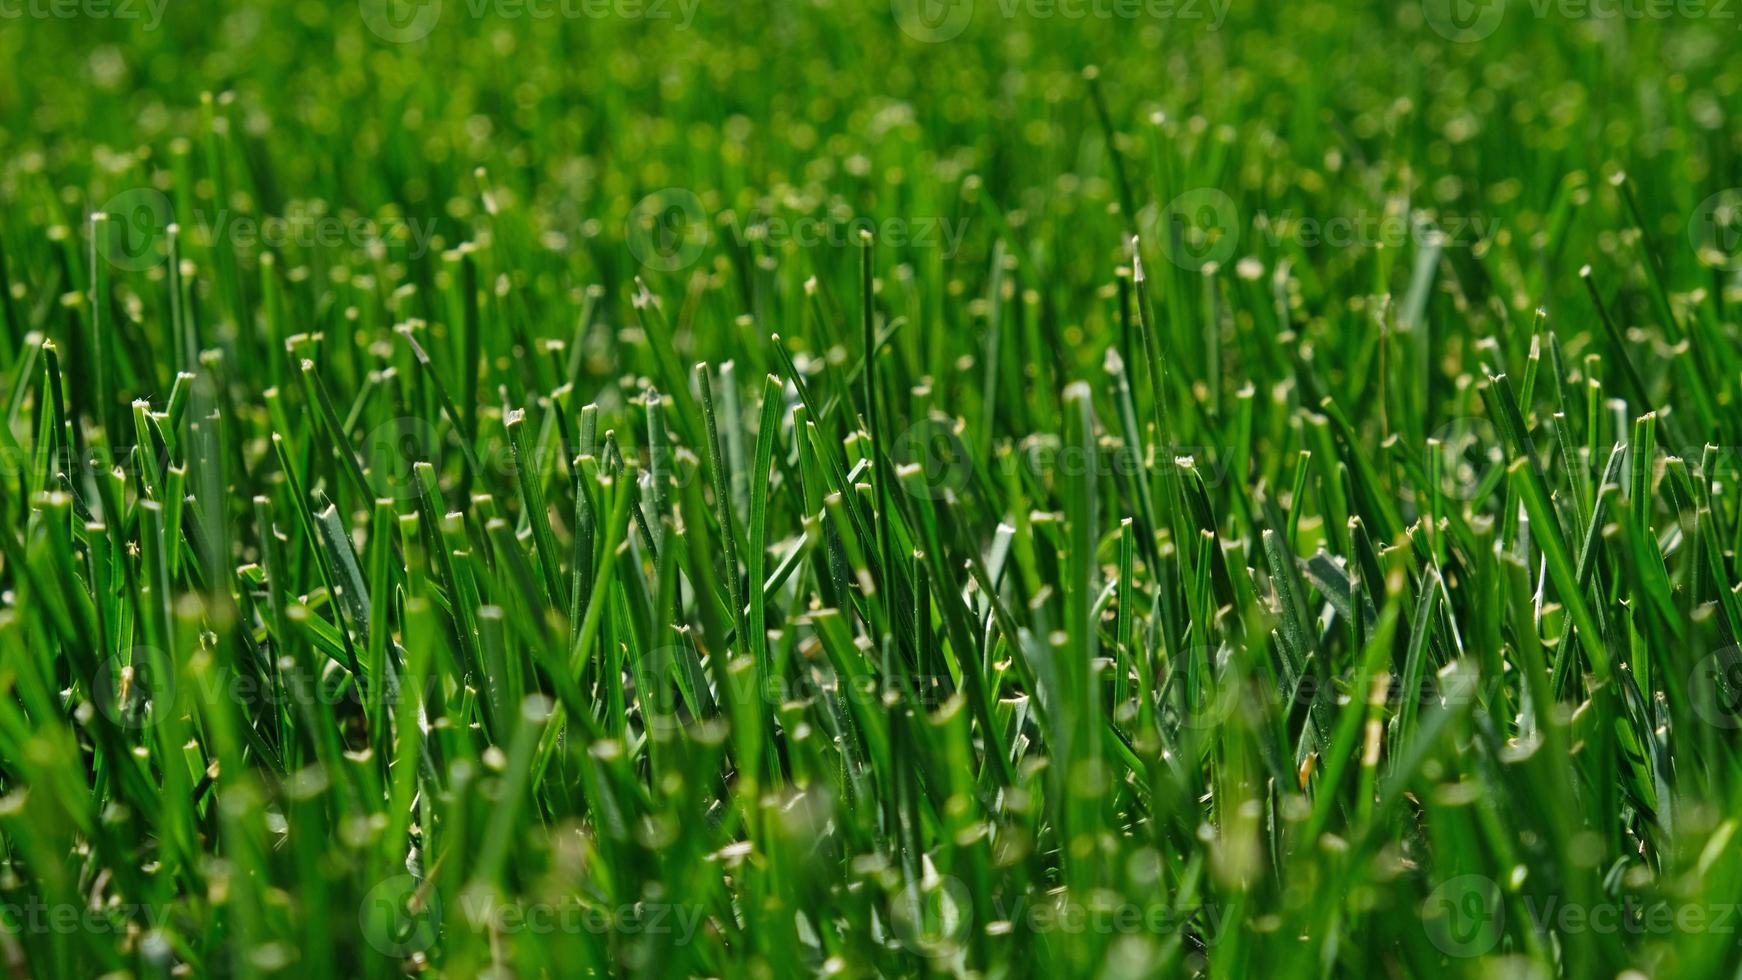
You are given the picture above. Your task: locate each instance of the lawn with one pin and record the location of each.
(1070, 488)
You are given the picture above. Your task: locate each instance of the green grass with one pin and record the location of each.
(793, 488)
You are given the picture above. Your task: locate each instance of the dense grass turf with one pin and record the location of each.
(773, 488)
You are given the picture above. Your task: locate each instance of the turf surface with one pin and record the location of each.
(1001, 487)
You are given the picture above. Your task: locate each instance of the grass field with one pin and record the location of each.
(1070, 488)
